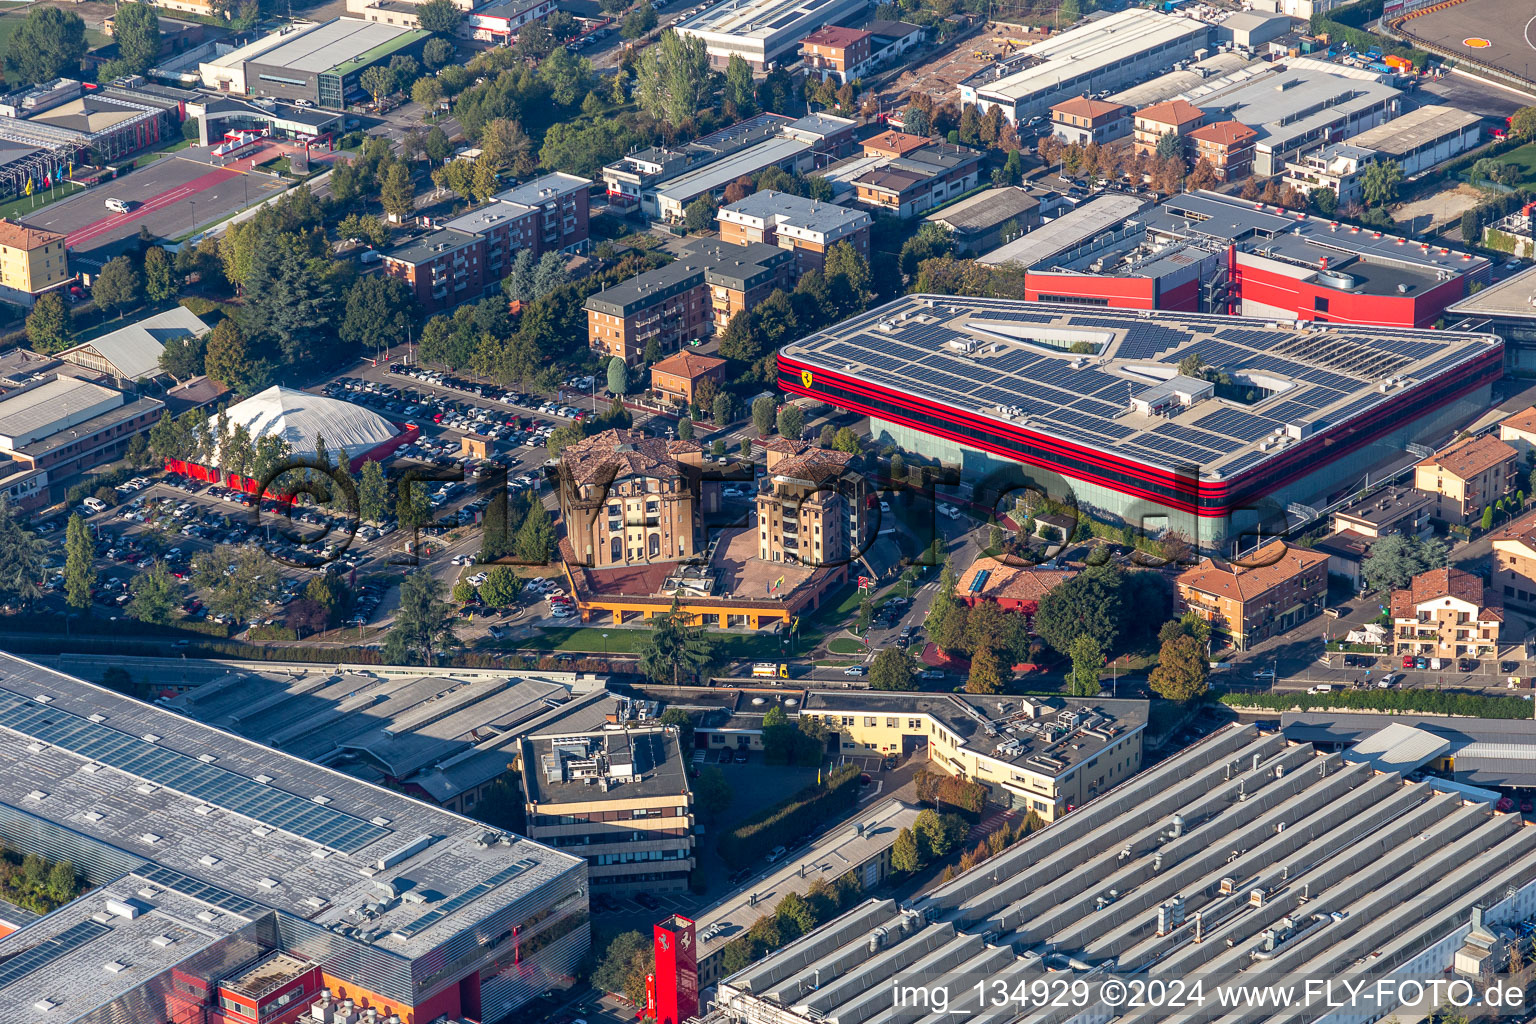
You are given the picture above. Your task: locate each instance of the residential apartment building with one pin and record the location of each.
(1339, 167)
(804, 226)
(1055, 755)
(833, 52)
(1405, 510)
(1519, 430)
(1446, 613)
(619, 798)
(1082, 120)
(808, 510)
(629, 499)
(1467, 477)
(1227, 146)
(676, 379)
(1514, 562)
(544, 214)
(741, 276)
(442, 267)
(921, 180)
(1175, 117)
(1278, 588)
(669, 305)
(894, 144)
(32, 261)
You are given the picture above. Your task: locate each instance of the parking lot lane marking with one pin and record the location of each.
(154, 203)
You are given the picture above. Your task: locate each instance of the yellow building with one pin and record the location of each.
(1045, 755)
(31, 262)
(619, 799)
(1467, 477)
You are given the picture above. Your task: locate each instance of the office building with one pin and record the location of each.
(1101, 55)
(1082, 121)
(229, 878)
(672, 197)
(1002, 389)
(619, 798)
(1270, 591)
(1209, 252)
(32, 261)
(764, 33)
(1444, 614)
(1101, 223)
(633, 179)
(1467, 477)
(804, 226)
(1190, 869)
(320, 63)
(133, 352)
(628, 499)
(56, 428)
(492, 21)
(806, 511)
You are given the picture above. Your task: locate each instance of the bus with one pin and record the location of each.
(770, 670)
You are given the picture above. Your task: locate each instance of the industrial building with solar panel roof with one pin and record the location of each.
(227, 877)
(1090, 405)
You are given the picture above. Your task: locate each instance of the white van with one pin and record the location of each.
(95, 504)
(117, 205)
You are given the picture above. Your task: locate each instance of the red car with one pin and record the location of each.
(1407, 661)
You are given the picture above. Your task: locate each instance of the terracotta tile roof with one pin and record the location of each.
(815, 465)
(1471, 456)
(687, 364)
(893, 141)
(1447, 582)
(1171, 112)
(835, 35)
(784, 445)
(1524, 421)
(1224, 133)
(19, 236)
(1009, 582)
(1280, 562)
(612, 454)
(1521, 531)
(1082, 106)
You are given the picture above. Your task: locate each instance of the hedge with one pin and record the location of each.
(790, 818)
(1420, 702)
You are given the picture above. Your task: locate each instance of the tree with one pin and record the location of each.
(762, 414)
(21, 557)
(117, 286)
(623, 967)
(440, 16)
(724, 411)
(45, 46)
(639, 21)
(79, 563)
(1202, 177)
(892, 670)
(159, 270)
(136, 31)
(938, 834)
(229, 359)
(1181, 669)
(568, 77)
(501, 587)
(986, 674)
(847, 440)
(1170, 146)
(1487, 522)
(674, 650)
(685, 429)
(791, 421)
(1395, 560)
(438, 52)
(738, 85)
(427, 91)
(548, 274)
(1087, 660)
(154, 596)
(1090, 603)
(1380, 182)
(377, 81)
(424, 621)
(700, 214)
(916, 121)
(1522, 123)
(931, 240)
(377, 312)
(398, 194)
(905, 856)
(237, 580)
(50, 325)
(673, 80)
(618, 376)
(1324, 200)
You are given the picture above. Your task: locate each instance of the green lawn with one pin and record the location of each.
(1524, 158)
(845, 645)
(23, 205)
(762, 645)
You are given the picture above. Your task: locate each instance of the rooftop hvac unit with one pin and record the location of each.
(1256, 897)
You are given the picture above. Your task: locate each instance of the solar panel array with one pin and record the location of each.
(463, 899)
(905, 349)
(201, 891)
(46, 952)
(186, 774)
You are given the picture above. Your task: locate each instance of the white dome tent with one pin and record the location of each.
(299, 417)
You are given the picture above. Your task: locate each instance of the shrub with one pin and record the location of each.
(1422, 702)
